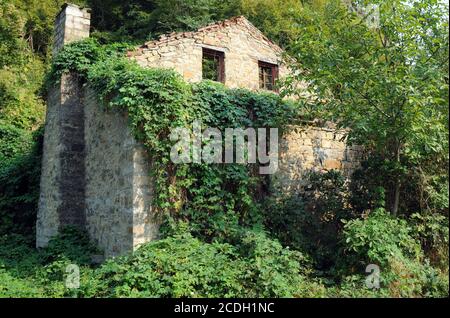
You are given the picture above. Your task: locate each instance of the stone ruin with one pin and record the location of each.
(95, 174)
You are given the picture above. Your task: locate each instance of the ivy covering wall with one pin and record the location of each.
(217, 201)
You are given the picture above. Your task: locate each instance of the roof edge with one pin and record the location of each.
(237, 20)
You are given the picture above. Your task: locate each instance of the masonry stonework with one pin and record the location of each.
(71, 24)
(312, 149)
(118, 187)
(95, 175)
(62, 188)
(243, 46)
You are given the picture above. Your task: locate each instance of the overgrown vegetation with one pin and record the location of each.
(220, 218)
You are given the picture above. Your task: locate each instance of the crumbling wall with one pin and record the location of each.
(243, 46)
(309, 148)
(95, 175)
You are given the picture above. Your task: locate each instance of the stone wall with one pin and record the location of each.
(71, 24)
(118, 186)
(62, 187)
(243, 46)
(49, 199)
(95, 175)
(310, 148)
(62, 180)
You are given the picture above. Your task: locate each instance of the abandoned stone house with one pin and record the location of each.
(95, 174)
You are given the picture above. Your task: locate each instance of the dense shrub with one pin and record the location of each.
(11, 286)
(311, 220)
(20, 157)
(380, 237)
(432, 230)
(387, 241)
(177, 266)
(183, 266)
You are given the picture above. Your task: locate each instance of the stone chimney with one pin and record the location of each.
(62, 189)
(71, 24)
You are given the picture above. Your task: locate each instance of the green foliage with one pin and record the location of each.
(366, 192)
(183, 266)
(179, 266)
(278, 19)
(11, 26)
(388, 84)
(311, 220)
(13, 141)
(27, 272)
(275, 271)
(80, 57)
(21, 112)
(432, 231)
(144, 19)
(12, 287)
(177, 15)
(388, 242)
(19, 178)
(379, 238)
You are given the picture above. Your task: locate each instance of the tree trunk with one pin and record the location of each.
(396, 201)
(396, 197)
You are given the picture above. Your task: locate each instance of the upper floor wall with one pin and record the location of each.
(231, 51)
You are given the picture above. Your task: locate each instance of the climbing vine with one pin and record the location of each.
(216, 200)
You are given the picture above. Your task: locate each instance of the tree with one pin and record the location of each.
(144, 19)
(388, 83)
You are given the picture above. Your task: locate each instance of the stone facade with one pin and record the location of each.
(243, 46)
(310, 148)
(118, 187)
(95, 175)
(63, 174)
(71, 24)
(49, 199)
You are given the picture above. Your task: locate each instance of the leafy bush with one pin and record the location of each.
(27, 272)
(311, 220)
(380, 237)
(20, 157)
(274, 271)
(387, 241)
(11, 286)
(179, 266)
(432, 231)
(183, 266)
(78, 58)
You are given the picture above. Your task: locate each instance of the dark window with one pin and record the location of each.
(268, 74)
(213, 67)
